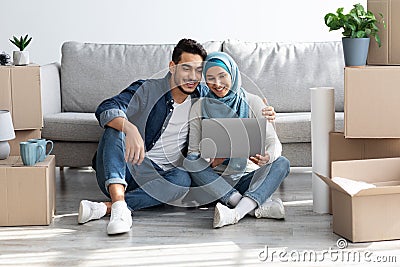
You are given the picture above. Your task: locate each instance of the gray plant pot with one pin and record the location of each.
(355, 51)
(20, 58)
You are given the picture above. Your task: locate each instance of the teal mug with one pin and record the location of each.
(30, 152)
(43, 143)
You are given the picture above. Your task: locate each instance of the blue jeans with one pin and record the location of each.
(258, 185)
(146, 185)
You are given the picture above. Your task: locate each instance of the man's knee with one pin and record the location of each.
(112, 135)
(283, 164)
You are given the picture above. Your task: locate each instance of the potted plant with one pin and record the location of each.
(358, 26)
(21, 57)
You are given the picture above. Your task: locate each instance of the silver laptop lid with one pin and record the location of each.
(232, 137)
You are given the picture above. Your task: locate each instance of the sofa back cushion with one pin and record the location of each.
(284, 72)
(92, 72)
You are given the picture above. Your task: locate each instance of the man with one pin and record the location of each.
(146, 130)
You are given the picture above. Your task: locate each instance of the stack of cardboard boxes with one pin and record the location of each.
(20, 94)
(369, 148)
(27, 194)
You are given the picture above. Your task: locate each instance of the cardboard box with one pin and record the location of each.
(371, 102)
(27, 193)
(341, 148)
(20, 94)
(20, 136)
(371, 214)
(389, 52)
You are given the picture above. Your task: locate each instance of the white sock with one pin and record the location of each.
(235, 199)
(245, 206)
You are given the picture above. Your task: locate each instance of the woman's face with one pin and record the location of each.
(218, 80)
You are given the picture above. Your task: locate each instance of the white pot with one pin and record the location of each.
(21, 57)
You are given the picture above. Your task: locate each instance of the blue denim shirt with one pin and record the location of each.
(148, 104)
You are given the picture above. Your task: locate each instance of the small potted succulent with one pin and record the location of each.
(358, 26)
(21, 57)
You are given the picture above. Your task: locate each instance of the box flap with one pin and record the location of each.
(382, 190)
(331, 184)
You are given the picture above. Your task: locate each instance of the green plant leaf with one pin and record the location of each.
(360, 34)
(16, 39)
(357, 23)
(378, 40)
(27, 42)
(12, 41)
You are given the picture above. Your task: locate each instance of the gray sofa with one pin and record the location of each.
(90, 73)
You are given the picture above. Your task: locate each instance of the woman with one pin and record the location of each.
(247, 190)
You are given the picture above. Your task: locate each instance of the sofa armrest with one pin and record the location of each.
(50, 87)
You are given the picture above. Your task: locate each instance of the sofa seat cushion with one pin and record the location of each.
(296, 127)
(83, 127)
(72, 126)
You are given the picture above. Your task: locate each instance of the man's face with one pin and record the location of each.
(186, 75)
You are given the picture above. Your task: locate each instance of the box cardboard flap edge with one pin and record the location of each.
(389, 185)
(363, 192)
(331, 184)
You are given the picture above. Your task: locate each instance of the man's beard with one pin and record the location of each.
(183, 90)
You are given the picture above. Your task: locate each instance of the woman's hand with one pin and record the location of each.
(268, 111)
(217, 161)
(260, 160)
(134, 145)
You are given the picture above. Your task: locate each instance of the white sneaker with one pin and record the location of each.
(89, 210)
(121, 218)
(224, 216)
(272, 208)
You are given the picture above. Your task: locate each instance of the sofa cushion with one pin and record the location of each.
(92, 72)
(83, 127)
(285, 72)
(296, 127)
(71, 126)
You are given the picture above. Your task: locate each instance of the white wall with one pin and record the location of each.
(51, 22)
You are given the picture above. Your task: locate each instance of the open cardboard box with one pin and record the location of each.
(372, 214)
(341, 148)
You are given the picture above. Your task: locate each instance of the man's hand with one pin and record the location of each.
(268, 111)
(260, 160)
(134, 145)
(217, 161)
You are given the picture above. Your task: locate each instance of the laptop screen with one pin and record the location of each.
(232, 137)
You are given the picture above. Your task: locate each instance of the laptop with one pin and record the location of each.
(232, 137)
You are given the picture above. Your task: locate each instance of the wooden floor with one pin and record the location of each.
(172, 236)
